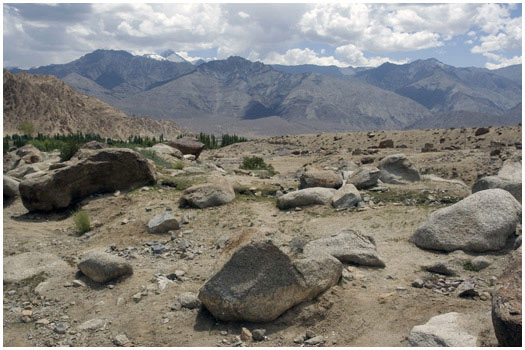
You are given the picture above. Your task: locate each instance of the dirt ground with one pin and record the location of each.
(369, 307)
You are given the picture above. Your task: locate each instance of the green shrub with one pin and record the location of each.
(256, 163)
(68, 150)
(81, 219)
(178, 165)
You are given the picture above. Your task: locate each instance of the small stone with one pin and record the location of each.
(493, 280)
(484, 296)
(309, 334)
(419, 283)
(224, 332)
(61, 328)
(479, 263)
(299, 339)
(43, 321)
(189, 300)
(92, 325)
(121, 301)
(78, 283)
(120, 340)
(259, 334)
(136, 298)
(246, 335)
(466, 289)
(315, 340)
(28, 313)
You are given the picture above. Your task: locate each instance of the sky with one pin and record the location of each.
(341, 34)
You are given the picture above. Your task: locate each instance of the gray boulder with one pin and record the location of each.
(189, 300)
(320, 178)
(488, 182)
(102, 267)
(10, 187)
(348, 246)
(481, 222)
(188, 146)
(211, 194)
(508, 178)
(364, 177)
(451, 330)
(346, 197)
(97, 171)
(164, 149)
(308, 196)
(260, 282)
(507, 303)
(163, 223)
(396, 169)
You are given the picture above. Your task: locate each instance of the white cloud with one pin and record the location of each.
(243, 15)
(295, 57)
(356, 58)
(497, 61)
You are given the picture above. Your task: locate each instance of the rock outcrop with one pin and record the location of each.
(396, 168)
(260, 282)
(96, 171)
(481, 222)
(308, 196)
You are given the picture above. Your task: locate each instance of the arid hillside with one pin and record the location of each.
(52, 107)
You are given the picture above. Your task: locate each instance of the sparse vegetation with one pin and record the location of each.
(82, 223)
(181, 183)
(256, 163)
(158, 160)
(68, 150)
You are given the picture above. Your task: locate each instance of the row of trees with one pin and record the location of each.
(212, 142)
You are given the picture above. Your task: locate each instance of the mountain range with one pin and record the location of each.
(239, 96)
(54, 107)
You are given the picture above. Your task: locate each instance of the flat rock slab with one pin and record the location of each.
(452, 329)
(306, 197)
(348, 246)
(31, 264)
(260, 282)
(102, 267)
(481, 222)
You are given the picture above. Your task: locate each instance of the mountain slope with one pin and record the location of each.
(54, 107)
(239, 89)
(443, 88)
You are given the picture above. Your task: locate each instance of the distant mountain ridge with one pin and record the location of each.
(53, 107)
(237, 95)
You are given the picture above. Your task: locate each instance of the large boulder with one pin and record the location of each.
(206, 195)
(320, 178)
(308, 196)
(10, 187)
(364, 177)
(507, 303)
(260, 282)
(102, 267)
(188, 146)
(164, 149)
(488, 182)
(481, 222)
(346, 197)
(508, 178)
(396, 168)
(98, 171)
(348, 246)
(452, 330)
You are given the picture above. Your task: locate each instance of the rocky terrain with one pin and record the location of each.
(236, 95)
(204, 256)
(54, 107)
